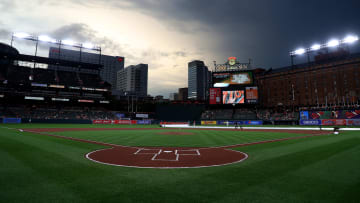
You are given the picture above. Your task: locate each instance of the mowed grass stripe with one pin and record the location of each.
(304, 170)
(199, 138)
(286, 172)
(36, 162)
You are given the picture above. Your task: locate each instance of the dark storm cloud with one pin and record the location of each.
(263, 30)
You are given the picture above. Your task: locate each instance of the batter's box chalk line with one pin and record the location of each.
(148, 151)
(187, 152)
(168, 155)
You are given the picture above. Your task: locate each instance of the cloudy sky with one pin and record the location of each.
(167, 34)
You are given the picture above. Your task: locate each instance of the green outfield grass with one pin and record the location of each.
(197, 138)
(39, 168)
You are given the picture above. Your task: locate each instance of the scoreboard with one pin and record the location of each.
(227, 79)
(233, 87)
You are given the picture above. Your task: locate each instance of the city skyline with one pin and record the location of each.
(169, 34)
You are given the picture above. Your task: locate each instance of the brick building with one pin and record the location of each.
(324, 82)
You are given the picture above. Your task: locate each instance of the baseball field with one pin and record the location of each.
(107, 163)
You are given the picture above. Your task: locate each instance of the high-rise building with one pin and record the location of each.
(133, 79)
(173, 96)
(112, 64)
(198, 80)
(183, 94)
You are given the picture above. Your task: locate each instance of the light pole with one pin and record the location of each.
(330, 44)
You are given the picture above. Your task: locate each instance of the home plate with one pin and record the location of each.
(166, 155)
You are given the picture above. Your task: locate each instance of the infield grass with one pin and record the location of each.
(39, 168)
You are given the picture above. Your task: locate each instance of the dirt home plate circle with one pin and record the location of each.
(166, 157)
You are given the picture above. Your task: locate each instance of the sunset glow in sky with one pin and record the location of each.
(167, 34)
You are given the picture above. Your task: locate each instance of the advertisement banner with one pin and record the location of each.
(304, 115)
(353, 122)
(114, 122)
(142, 115)
(252, 95)
(107, 121)
(120, 115)
(97, 121)
(253, 122)
(333, 122)
(122, 122)
(102, 121)
(208, 122)
(259, 122)
(12, 120)
(215, 96)
(339, 114)
(229, 122)
(351, 114)
(144, 122)
(310, 122)
(233, 97)
(320, 115)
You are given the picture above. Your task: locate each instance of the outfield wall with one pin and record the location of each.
(224, 122)
(331, 122)
(56, 121)
(11, 120)
(314, 122)
(125, 122)
(335, 114)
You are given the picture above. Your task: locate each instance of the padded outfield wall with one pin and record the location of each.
(326, 118)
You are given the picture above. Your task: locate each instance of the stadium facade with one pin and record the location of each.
(24, 88)
(330, 80)
(111, 64)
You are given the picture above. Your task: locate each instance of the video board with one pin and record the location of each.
(215, 96)
(227, 79)
(233, 97)
(252, 95)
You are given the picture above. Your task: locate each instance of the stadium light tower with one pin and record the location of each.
(350, 39)
(333, 43)
(50, 40)
(45, 38)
